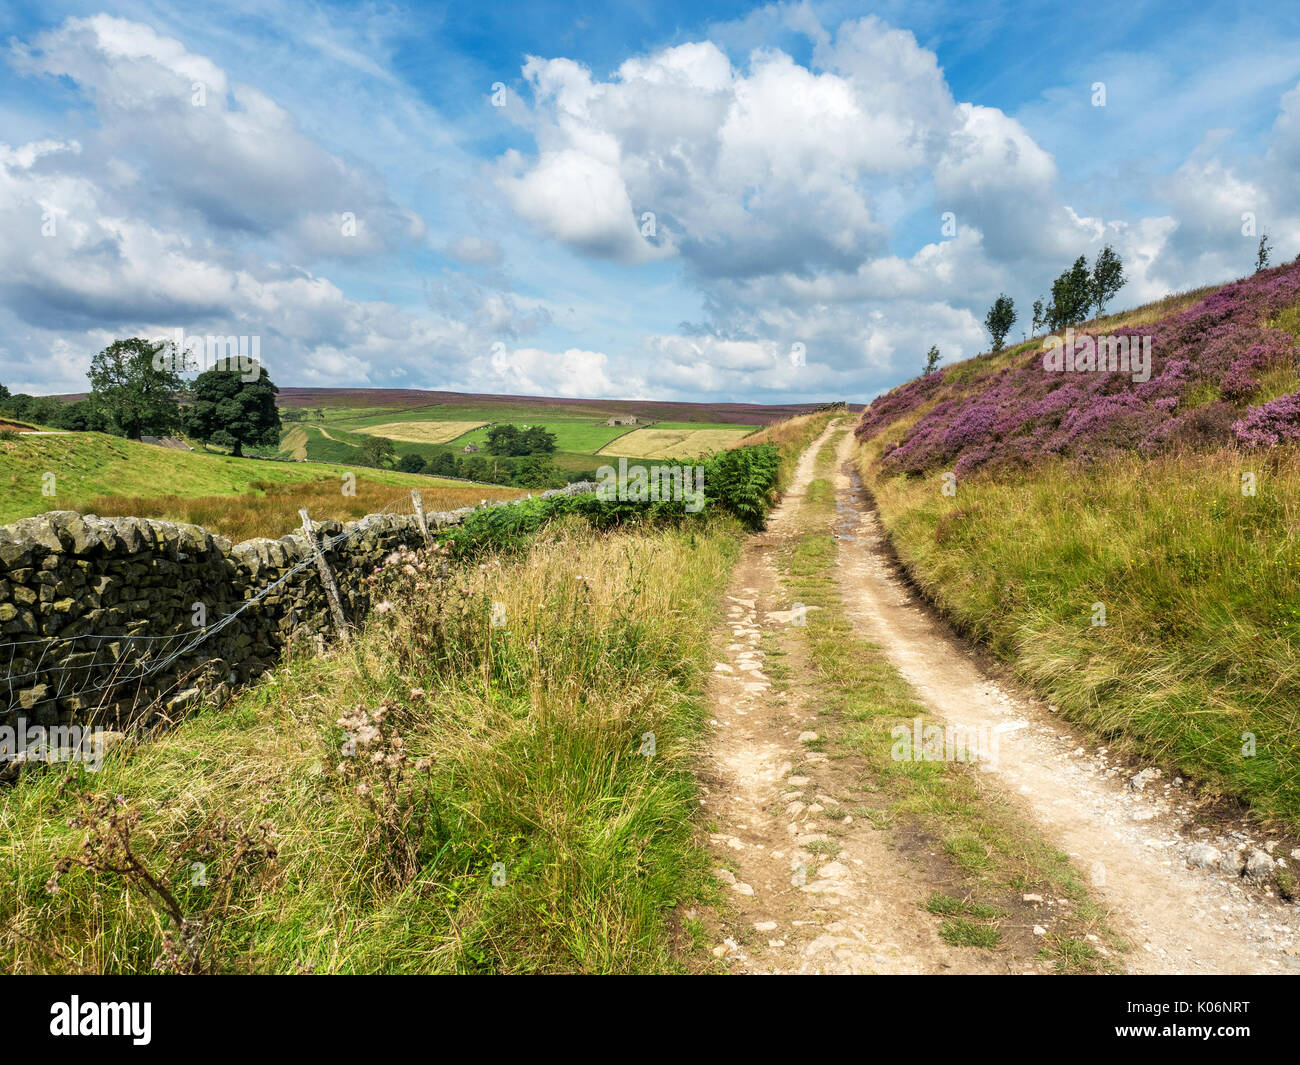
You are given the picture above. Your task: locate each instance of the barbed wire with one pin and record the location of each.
(155, 660)
(146, 664)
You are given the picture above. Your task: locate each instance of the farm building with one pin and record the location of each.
(622, 419)
(468, 448)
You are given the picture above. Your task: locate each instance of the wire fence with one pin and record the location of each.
(117, 661)
(100, 666)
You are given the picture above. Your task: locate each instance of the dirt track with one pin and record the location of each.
(798, 907)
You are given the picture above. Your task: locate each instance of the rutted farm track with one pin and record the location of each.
(813, 889)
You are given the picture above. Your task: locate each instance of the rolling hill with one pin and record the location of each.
(1131, 548)
(238, 497)
(430, 424)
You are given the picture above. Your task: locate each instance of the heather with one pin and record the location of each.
(1172, 504)
(1213, 364)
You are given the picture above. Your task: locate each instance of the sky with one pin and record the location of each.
(706, 202)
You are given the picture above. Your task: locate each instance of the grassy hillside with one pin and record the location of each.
(1131, 548)
(536, 715)
(1222, 371)
(533, 830)
(107, 475)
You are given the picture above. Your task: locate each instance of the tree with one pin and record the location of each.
(1000, 319)
(230, 411)
(377, 451)
(445, 464)
(79, 417)
(43, 410)
(1071, 296)
(538, 440)
(1261, 257)
(411, 463)
(1107, 277)
(16, 405)
(1040, 318)
(4, 393)
(510, 440)
(538, 471)
(504, 440)
(134, 390)
(931, 360)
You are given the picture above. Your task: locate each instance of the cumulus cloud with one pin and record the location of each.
(780, 204)
(774, 167)
(570, 374)
(776, 185)
(156, 222)
(222, 150)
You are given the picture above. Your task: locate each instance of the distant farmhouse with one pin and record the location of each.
(468, 448)
(622, 419)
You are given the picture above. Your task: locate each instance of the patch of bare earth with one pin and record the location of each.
(807, 892)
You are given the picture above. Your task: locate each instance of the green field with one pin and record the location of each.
(94, 472)
(579, 437)
(89, 466)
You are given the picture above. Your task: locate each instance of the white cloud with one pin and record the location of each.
(574, 373)
(791, 203)
(224, 151)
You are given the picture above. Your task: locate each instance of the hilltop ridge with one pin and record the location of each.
(1223, 371)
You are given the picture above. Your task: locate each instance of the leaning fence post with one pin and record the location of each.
(418, 500)
(326, 577)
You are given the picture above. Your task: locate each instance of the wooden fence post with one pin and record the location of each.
(418, 500)
(326, 577)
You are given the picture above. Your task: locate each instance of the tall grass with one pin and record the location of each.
(559, 743)
(1198, 662)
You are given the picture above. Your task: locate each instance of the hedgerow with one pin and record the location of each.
(741, 482)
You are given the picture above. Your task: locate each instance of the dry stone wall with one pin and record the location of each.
(117, 622)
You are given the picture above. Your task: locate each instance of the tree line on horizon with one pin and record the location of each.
(136, 391)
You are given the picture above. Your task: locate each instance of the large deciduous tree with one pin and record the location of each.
(134, 388)
(230, 410)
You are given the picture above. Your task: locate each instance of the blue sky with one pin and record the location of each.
(169, 167)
